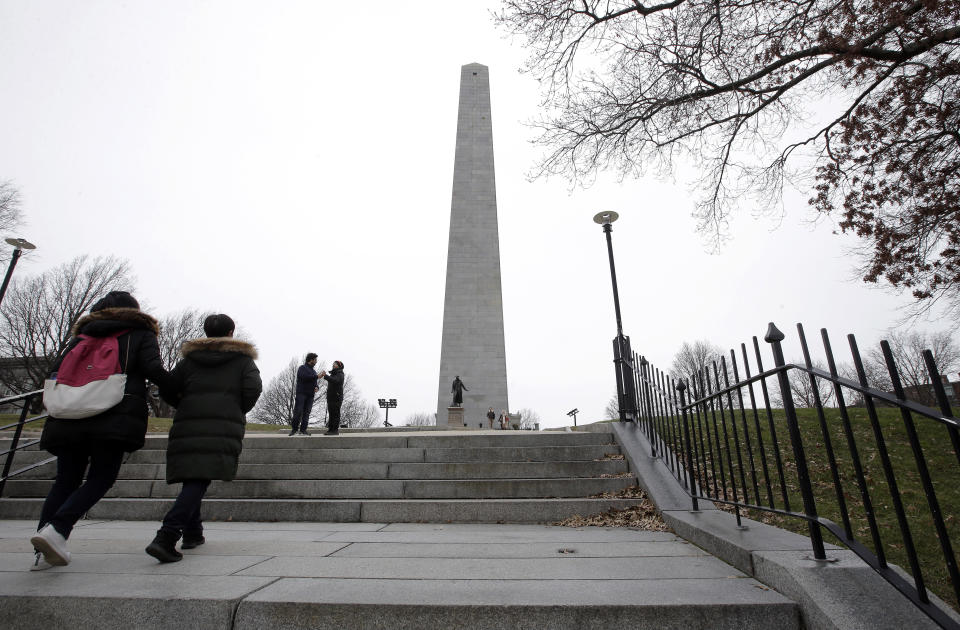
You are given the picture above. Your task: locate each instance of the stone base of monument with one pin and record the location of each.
(455, 416)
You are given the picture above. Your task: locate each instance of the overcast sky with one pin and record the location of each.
(291, 164)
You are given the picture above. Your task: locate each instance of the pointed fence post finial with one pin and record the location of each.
(773, 334)
(681, 386)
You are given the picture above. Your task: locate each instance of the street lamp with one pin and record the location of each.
(622, 355)
(387, 404)
(574, 412)
(19, 244)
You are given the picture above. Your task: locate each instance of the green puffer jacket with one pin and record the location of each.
(213, 387)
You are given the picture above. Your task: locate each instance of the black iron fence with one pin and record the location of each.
(874, 469)
(27, 402)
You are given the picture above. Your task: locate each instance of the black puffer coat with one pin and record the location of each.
(213, 387)
(334, 380)
(124, 425)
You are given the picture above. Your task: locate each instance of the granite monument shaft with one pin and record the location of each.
(472, 344)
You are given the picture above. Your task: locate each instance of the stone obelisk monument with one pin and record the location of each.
(472, 346)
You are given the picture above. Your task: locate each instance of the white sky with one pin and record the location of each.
(291, 163)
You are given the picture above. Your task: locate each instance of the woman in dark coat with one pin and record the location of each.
(213, 387)
(335, 380)
(100, 441)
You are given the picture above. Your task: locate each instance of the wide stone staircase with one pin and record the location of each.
(424, 476)
(409, 530)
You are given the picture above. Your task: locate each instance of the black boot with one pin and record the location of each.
(163, 547)
(192, 539)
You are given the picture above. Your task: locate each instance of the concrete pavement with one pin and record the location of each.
(378, 575)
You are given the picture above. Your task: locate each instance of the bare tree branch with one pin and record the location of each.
(692, 358)
(630, 86)
(38, 314)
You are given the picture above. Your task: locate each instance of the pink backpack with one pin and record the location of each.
(89, 380)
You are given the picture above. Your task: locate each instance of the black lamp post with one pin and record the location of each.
(574, 412)
(19, 245)
(622, 355)
(387, 404)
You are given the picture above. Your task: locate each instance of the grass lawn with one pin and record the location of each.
(937, 449)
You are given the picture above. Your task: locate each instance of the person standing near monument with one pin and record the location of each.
(457, 390)
(213, 387)
(334, 396)
(490, 417)
(303, 397)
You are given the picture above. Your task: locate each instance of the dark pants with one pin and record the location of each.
(302, 406)
(184, 516)
(71, 497)
(333, 408)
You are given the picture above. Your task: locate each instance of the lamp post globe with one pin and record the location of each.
(606, 217)
(20, 243)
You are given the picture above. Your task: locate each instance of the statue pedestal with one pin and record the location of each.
(454, 416)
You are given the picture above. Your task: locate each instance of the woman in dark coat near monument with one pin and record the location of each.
(212, 387)
(335, 380)
(99, 441)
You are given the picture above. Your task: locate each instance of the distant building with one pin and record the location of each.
(15, 378)
(925, 394)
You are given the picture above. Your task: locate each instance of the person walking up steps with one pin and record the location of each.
(213, 387)
(334, 396)
(101, 440)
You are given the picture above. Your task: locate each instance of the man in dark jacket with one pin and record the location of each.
(303, 396)
(334, 396)
(99, 441)
(213, 387)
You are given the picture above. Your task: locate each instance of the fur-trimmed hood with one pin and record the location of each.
(126, 317)
(218, 344)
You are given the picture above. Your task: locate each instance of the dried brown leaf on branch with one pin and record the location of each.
(853, 103)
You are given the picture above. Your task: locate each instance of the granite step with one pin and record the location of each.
(341, 510)
(353, 489)
(368, 470)
(254, 455)
(413, 440)
(405, 476)
(375, 576)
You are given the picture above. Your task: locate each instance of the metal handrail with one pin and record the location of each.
(13, 399)
(718, 434)
(15, 445)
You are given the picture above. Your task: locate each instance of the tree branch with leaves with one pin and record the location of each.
(633, 86)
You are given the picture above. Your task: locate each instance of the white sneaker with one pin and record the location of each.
(52, 545)
(40, 563)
